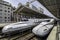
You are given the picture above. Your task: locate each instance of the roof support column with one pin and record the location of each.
(17, 17)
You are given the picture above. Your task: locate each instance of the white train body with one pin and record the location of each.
(20, 26)
(43, 28)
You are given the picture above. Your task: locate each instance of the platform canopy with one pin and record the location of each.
(53, 6)
(29, 11)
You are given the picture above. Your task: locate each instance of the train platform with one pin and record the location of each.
(52, 35)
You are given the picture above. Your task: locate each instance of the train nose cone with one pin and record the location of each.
(40, 31)
(5, 29)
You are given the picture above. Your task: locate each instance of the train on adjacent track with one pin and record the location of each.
(44, 28)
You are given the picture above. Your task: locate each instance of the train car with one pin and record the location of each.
(43, 28)
(20, 26)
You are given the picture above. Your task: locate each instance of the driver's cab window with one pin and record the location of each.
(48, 20)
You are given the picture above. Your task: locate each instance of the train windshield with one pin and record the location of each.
(47, 21)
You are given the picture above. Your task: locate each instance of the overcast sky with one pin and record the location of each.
(36, 3)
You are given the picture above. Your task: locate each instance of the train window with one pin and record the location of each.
(21, 23)
(47, 20)
(38, 22)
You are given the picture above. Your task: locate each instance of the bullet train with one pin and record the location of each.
(43, 28)
(20, 26)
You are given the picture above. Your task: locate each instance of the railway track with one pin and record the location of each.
(34, 38)
(19, 36)
(22, 36)
(27, 35)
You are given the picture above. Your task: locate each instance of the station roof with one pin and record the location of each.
(29, 10)
(52, 5)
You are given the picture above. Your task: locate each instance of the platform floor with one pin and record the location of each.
(52, 35)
